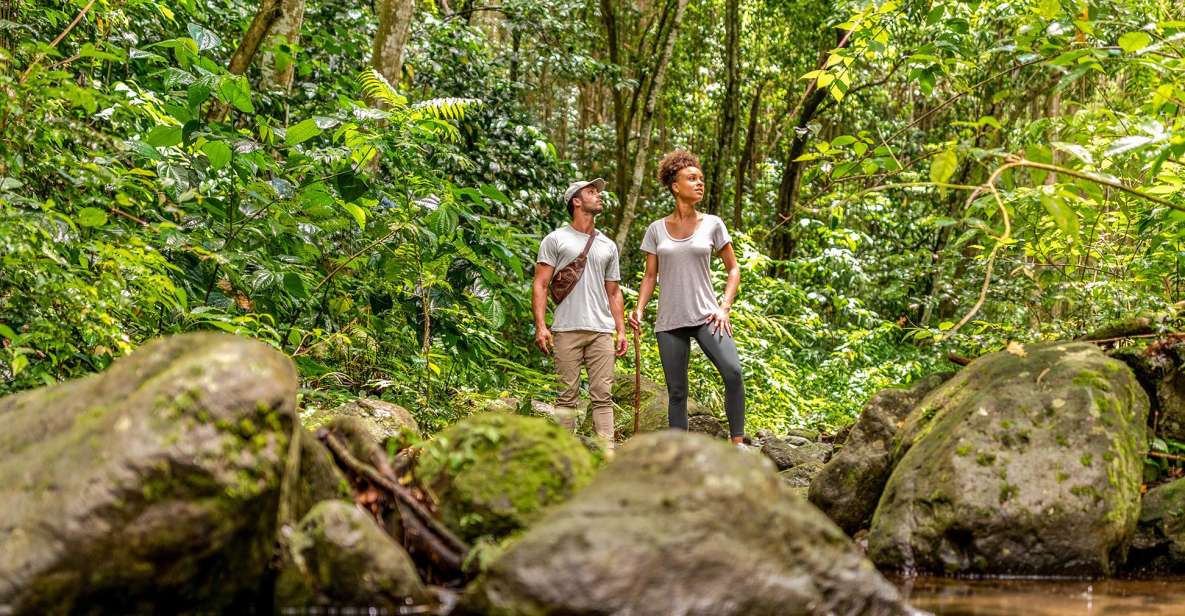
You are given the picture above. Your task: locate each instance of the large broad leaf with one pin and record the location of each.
(357, 212)
(218, 153)
(1048, 8)
(92, 217)
(943, 167)
(301, 132)
(235, 90)
(204, 38)
(1125, 144)
(350, 186)
(1063, 215)
(1134, 41)
(163, 136)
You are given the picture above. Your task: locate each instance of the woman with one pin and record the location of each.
(678, 251)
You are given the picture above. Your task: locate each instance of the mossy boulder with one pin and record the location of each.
(495, 473)
(386, 419)
(151, 487)
(850, 484)
(785, 455)
(1160, 368)
(320, 479)
(339, 556)
(1027, 461)
(680, 523)
(653, 404)
(1159, 543)
(707, 425)
(799, 478)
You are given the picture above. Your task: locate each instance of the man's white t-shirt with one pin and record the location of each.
(587, 307)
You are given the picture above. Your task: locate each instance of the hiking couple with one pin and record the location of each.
(588, 324)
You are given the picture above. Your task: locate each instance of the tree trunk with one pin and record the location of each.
(269, 11)
(783, 245)
(277, 71)
(746, 157)
(668, 32)
(729, 109)
(394, 24)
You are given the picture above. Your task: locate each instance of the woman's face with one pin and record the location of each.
(689, 185)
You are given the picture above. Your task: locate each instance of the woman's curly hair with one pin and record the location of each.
(674, 162)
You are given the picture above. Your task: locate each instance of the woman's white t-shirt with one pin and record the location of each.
(684, 273)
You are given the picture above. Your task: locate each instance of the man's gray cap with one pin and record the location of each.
(576, 187)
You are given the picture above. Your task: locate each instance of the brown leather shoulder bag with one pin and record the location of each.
(565, 279)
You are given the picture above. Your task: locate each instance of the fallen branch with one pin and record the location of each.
(1167, 456)
(422, 532)
(955, 358)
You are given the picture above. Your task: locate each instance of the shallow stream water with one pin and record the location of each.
(1045, 597)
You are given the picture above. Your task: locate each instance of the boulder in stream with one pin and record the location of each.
(1028, 461)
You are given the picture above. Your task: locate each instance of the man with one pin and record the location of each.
(585, 322)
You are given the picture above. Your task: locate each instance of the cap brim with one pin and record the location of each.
(599, 183)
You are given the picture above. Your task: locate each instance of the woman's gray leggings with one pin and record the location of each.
(674, 347)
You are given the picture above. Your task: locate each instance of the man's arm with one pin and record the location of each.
(617, 307)
(543, 273)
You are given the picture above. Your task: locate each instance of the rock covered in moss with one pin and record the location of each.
(653, 404)
(799, 478)
(1160, 368)
(1159, 543)
(850, 484)
(680, 523)
(1025, 462)
(320, 478)
(494, 473)
(385, 419)
(786, 456)
(707, 425)
(151, 487)
(339, 556)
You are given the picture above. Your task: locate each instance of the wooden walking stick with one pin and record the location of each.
(637, 382)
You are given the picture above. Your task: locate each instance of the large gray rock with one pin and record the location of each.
(1158, 366)
(1023, 463)
(339, 556)
(850, 484)
(151, 487)
(683, 524)
(319, 479)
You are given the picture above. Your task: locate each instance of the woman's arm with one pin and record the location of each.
(649, 280)
(720, 317)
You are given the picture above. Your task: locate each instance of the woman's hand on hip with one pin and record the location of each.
(719, 320)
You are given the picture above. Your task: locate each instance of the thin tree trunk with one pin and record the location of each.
(729, 109)
(394, 24)
(643, 150)
(268, 13)
(792, 175)
(746, 157)
(621, 117)
(277, 73)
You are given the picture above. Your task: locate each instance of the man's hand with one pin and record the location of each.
(622, 345)
(719, 320)
(543, 339)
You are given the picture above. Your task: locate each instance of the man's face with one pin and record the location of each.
(589, 200)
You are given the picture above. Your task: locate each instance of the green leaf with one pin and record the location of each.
(235, 90)
(301, 132)
(1063, 215)
(358, 213)
(18, 364)
(843, 140)
(944, 166)
(1134, 41)
(1048, 8)
(92, 217)
(204, 38)
(350, 185)
(164, 136)
(218, 153)
(294, 284)
(7, 332)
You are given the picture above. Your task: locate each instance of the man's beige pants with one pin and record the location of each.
(593, 350)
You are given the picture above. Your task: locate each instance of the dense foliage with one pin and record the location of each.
(909, 179)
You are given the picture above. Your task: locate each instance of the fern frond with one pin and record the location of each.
(444, 108)
(376, 87)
